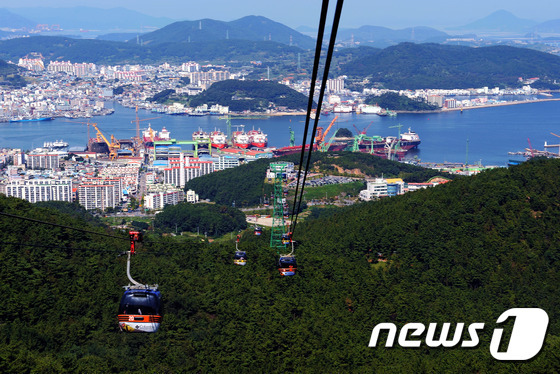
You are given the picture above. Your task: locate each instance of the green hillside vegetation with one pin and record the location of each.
(415, 66)
(9, 75)
(113, 52)
(394, 101)
(215, 220)
(250, 95)
(245, 184)
(465, 251)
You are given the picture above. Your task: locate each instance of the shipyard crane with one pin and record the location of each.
(531, 148)
(137, 139)
(364, 131)
(113, 145)
(320, 138)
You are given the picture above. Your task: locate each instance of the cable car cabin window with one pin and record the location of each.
(286, 262)
(143, 303)
(240, 255)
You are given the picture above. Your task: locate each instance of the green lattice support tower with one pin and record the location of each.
(278, 224)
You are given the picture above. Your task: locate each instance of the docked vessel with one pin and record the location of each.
(57, 145)
(150, 136)
(258, 138)
(201, 137)
(240, 139)
(370, 109)
(341, 108)
(30, 119)
(409, 140)
(218, 139)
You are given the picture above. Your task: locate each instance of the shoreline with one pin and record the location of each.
(479, 106)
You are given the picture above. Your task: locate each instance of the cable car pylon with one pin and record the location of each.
(140, 306)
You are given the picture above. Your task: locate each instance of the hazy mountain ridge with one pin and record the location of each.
(498, 21)
(381, 37)
(254, 28)
(11, 20)
(81, 17)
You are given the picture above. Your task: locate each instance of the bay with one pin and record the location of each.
(483, 135)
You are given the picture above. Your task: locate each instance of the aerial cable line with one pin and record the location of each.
(336, 21)
(61, 226)
(90, 232)
(318, 47)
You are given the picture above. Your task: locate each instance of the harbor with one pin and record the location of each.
(486, 136)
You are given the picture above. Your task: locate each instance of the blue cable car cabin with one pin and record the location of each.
(258, 230)
(140, 310)
(240, 258)
(287, 265)
(286, 238)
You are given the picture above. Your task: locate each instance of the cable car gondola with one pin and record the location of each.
(287, 238)
(287, 265)
(140, 309)
(140, 306)
(240, 257)
(258, 230)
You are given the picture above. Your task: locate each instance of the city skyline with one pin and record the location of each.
(406, 13)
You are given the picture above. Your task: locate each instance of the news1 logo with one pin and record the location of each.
(527, 335)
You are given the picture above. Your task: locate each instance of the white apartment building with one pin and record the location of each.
(200, 77)
(43, 161)
(36, 190)
(100, 193)
(160, 195)
(183, 169)
(97, 196)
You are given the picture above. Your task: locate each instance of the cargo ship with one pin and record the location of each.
(218, 139)
(258, 138)
(26, 119)
(149, 136)
(240, 139)
(408, 140)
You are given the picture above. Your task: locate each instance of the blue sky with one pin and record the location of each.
(294, 13)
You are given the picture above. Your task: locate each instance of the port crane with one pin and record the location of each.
(137, 139)
(320, 138)
(113, 145)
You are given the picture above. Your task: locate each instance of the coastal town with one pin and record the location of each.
(80, 90)
(151, 170)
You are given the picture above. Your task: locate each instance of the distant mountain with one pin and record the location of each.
(11, 20)
(552, 27)
(499, 21)
(415, 66)
(110, 52)
(253, 28)
(382, 37)
(89, 18)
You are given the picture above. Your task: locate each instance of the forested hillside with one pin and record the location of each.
(252, 95)
(113, 52)
(245, 185)
(465, 251)
(415, 66)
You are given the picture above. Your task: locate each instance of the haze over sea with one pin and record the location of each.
(490, 132)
